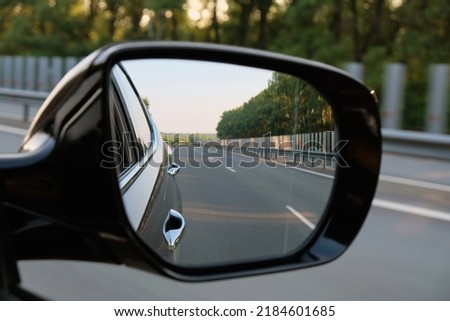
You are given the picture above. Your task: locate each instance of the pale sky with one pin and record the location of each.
(189, 96)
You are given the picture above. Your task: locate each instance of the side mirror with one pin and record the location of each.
(258, 197)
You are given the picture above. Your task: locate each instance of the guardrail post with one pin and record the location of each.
(70, 63)
(26, 112)
(7, 71)
(356, 69)
(18, 72)
(2, 76)
(43, 74)
(437, 100)
(393, 91)
(297, 158)
(30, 73)
(56, 71)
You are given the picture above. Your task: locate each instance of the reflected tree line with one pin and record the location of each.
(287, 106)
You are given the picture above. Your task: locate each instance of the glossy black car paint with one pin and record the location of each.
(166, 195)
(57, 202)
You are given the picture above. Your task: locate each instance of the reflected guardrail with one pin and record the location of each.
(310, 158)
(411, 143)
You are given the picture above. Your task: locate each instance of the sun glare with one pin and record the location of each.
(394, 4)
(201, 13)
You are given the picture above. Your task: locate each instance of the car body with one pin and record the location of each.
(145, 165)
(69, 192)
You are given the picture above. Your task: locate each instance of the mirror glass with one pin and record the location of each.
(218, 163)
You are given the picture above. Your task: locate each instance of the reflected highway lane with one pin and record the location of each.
(235, 213)
(401, 253)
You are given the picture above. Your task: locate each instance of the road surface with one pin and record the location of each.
(401, 253)
(236, 212)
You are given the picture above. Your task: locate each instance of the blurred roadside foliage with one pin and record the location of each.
(373, 32)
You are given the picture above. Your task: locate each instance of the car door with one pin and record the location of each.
(145, 169)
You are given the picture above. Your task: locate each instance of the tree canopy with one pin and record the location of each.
(287, 106)
(373, 32)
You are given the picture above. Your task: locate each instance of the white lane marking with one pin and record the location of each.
(312, 172)
(230, 169)
(414, 210)
(415, 183)
(394, 206)
(305, 170)
(390, 179)
(301, 217)
(13, 130)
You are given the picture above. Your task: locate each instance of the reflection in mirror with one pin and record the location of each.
(220, 164)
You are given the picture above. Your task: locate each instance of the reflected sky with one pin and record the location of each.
(190, 96)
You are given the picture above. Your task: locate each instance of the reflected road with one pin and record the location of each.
(235, 213)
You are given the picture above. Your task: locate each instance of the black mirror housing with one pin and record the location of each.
(56, 187)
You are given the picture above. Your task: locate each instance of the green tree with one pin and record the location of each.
(424, 30)
(413, 32)
(287, 106)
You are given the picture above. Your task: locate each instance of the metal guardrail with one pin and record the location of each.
(25, 98)
(416, 143)
(394, 140)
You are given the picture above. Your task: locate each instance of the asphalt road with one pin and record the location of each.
(401, 253)
(10, 138)
(235, 212)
